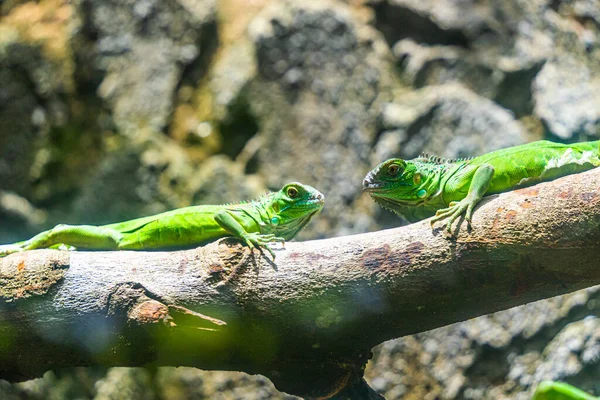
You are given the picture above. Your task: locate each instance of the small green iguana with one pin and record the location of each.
(274, 217)
(548, 390)
(429, 185)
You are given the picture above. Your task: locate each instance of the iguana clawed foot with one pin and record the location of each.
(454, 211)
(262, 240)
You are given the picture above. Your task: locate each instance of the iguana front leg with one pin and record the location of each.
(479, 186)
(253, 239)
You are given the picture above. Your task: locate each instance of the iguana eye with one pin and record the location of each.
(292, 192)
(393, 170)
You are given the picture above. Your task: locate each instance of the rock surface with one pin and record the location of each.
(449, 121)
(114, 109)
(321, 76)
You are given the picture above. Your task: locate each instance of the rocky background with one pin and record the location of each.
(113, 109)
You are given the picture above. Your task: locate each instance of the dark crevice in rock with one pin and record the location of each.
(397, 23)
(87, 74)
(207, 44)
(24, 76)
(252, 165)
(18, 101)
(515, 92)
(415, 131)
(238, 128)
(555, 4)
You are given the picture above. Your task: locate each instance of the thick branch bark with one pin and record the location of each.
(309, 320)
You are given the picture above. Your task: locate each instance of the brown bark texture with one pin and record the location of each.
(309, 319)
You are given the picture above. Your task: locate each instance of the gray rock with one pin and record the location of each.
(320, 76)
(426, 22)
(231, 74)
(141, 50)
(502, 355)
(157, 176)
(125, 383)
(449, 121)
(499, 79)
(487, 29)
(191, 383)
(33, 85)
(8, 392)
(424, 65)
(18, 147)
(38, 97)
(220, 180)
(136, 180)
(20, 218)
(587, 20)
(567, 99)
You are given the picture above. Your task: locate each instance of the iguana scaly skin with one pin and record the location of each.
(274, 217)
(548, 390)
(428, 185)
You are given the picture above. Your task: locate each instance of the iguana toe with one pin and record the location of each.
(270, 250)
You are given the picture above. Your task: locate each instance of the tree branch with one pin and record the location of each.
(309, 320)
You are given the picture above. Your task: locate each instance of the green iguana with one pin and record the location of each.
(429, 185)
(548, 390)
(274, 217)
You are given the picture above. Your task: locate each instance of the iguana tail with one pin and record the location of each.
(78, 236)
(549, 390)
(7, 249)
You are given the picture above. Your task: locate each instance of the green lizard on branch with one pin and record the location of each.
(428, 185)
(274, 217)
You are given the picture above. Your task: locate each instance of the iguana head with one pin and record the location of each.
(291, 208)
(398, 185)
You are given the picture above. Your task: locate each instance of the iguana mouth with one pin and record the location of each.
(371, 187)
(313, 200)
(376, 187)
(370, 184)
